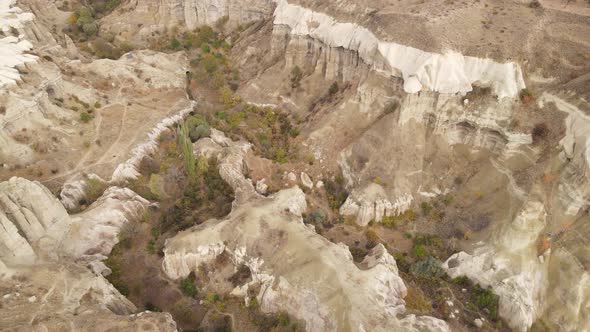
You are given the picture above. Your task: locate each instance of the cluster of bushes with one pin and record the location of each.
(83, 27)
(116, 276)
(316, 217)
(483, 298)
(82, 22)
(187, 286)
(394, 220)
(295, 77)
(336, 192)
(213, 70)
(270, 322)
(270, 130)
(205, 195)
(427, 245)
(104, 49)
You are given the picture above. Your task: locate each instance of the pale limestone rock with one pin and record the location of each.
(129, 169)
(291, 177)
(74, 190)
(446, 73)
(48, 258)
(261, 187)
(374, 295)
(478, 323)
(96, 229)
(13, 48)
(306, 180)
(521, 287)
(371, 203)
(43, 221)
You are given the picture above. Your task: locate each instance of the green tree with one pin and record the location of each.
(174, 44)
(333, 88)
(296, 76)
(186, 148)
(90, 29)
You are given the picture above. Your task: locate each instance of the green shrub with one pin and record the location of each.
(371, 237)
(462, 281)
(448, 199)
(210, 63)
(90, 29)
(205, 48)
(336, 192)
(427, 268)
(418, 251)
(426, 208)
(186, 148)
(188, 287)
(97, 104)
(202, 165)
(199, 132)
(151, 246)
(104, 50)
(388, 221)
(174, 44)
(333, 89)
(156, 186)
(296, 76)
(85, 117)
(485, 298)
(93, 188)
(315, 217)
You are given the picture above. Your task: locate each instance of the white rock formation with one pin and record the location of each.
(166, 14)
(328, 282)
(36, 227)
(574, 189)
(519, 286)
(509, 264)
(372, 203)
(306, 180)
(12, 48)
(39, 245)
(296, 270)
(261, 186)
(446, 73)
(129, 169)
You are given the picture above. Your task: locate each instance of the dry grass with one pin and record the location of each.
(416, 301)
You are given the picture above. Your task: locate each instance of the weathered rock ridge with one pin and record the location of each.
(328, 291)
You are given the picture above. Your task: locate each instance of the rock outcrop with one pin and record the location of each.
(295, 269)
(446, 73)
(159, 16)
(45, 256)
(13, 48)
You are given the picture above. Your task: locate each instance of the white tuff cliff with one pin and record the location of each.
(13, 48)
(450, 72)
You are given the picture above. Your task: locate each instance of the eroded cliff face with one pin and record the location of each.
(268, 236)
(50, 262)
(434, 144)
(406, 126)
(138, 20)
